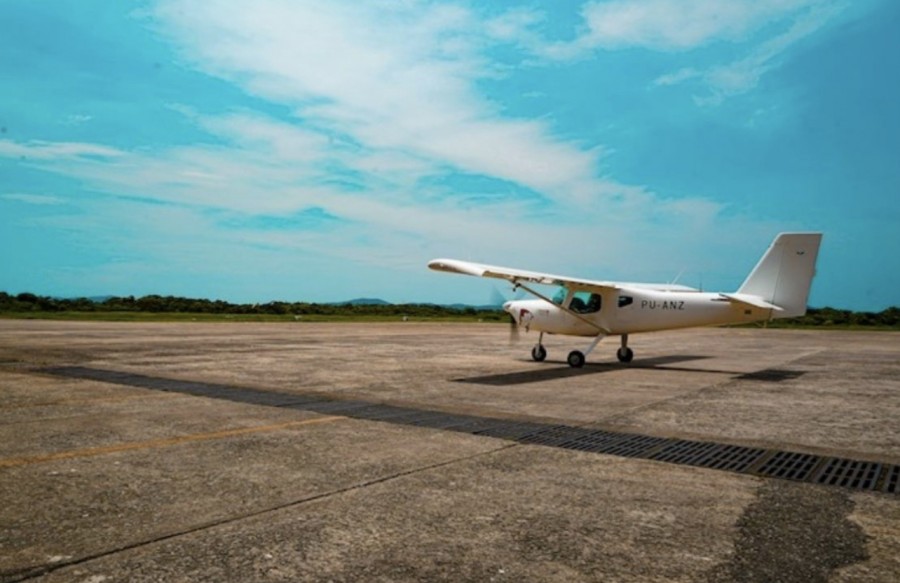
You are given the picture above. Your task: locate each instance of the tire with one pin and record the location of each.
(539, 353)
(576, 359)
(625, 354)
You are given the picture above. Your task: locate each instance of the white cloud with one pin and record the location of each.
(384, 96)
(35, 199)
(763, 30)
(77, 119)
(678, 76)
(679, 24)
(797, 21)
(41, 150)
(744, 74)
(397, 77)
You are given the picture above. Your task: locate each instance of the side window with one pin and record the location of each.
(625, 301)
(585, 302)
(560, 296)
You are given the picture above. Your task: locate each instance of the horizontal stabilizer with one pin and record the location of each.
(755, 301)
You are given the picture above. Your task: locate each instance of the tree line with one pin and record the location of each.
(27, 302)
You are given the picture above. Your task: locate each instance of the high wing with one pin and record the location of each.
(516, 276)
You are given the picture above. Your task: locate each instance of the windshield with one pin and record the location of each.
(560, 296)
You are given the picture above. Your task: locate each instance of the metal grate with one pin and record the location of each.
(510, 430)
(555, 435)
(633, 446)
(789, 465)
(704, 454)
(891, 483)
(594, 441)
(332, 407)
(848, 473)
(379, 412)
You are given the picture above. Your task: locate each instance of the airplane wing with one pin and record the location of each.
(515, 276)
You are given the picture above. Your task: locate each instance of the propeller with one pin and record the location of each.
(513, 330)
(499, 299)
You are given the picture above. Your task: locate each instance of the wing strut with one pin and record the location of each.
(600, 328)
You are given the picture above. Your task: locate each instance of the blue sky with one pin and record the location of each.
(321, 151)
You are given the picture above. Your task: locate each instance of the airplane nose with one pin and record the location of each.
(507, 306)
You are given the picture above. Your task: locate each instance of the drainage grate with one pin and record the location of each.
(475, 425)
(849, 474)
(510, 430)
(860, 475)
(379, 412)
(633, 445)
(891, 483)
(704, 454)
(332, 407)
(555, 435)
(789, 465)
(593, 441)
(420, 418)
(461, 423)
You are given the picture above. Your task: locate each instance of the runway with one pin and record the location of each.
(414, 452)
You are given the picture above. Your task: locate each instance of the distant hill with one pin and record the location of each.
(97, 299)
(363, 302)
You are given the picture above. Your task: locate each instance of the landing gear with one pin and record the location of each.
(539, 353)
(625, 354)
(576, 359)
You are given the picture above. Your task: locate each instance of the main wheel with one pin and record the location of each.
(576, 359)
(625, 354)
(539, 353)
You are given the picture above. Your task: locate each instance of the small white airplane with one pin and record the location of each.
(778, 287)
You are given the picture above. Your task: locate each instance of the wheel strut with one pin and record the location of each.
(576, 357)
(624, 354)
(539, 353)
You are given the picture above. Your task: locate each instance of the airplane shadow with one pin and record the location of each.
(565, 372)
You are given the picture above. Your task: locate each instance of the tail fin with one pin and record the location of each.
(784, 274)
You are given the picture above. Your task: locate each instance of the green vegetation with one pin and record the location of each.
(833, 318)
(170, 308)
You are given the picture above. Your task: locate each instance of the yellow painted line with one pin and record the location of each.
(156, 443)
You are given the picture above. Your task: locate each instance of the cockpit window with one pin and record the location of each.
(585, 302)
(625, 301)
(560, 296)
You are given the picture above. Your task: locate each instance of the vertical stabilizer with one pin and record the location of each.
(784, 274)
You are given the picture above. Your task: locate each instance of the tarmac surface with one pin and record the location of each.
(439, 452)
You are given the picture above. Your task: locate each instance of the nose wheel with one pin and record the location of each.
(539, 353)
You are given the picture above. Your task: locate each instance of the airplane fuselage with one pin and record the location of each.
(778, 287)
(628, 311)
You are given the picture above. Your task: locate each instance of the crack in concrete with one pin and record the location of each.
(33, 572)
